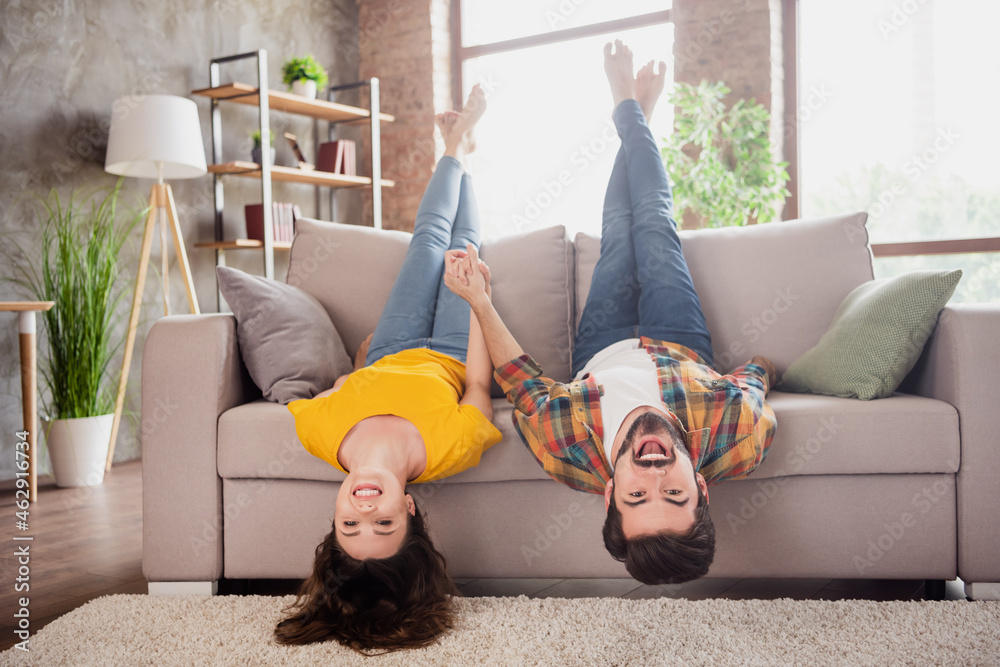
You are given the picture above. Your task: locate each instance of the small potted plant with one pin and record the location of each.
(256, 152)
(77, 264)
(304, 75)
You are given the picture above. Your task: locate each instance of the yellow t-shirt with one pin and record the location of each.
(419, 385)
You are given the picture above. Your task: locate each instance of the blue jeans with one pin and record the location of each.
(421, 311)
(641, 284)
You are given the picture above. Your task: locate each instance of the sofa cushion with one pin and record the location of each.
(351, 270)
(288, 343)
(257, 440)
(827, 435)
(765, 289)
(876, 337)
(817, 435)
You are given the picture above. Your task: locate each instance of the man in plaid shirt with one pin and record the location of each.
(646, 421)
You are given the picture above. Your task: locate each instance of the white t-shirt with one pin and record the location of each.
(627, 373)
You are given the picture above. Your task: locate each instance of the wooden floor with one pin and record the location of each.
(88, 543)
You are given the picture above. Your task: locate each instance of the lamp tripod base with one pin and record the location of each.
(161, 196)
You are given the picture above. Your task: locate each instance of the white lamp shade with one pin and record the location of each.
(155, 130)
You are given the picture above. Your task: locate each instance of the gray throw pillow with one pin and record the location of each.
(876, 337)
(288, 343)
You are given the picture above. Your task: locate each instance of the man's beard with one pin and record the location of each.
(651, 423)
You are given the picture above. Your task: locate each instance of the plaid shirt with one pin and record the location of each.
(726, 423)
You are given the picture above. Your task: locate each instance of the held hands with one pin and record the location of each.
(466, 275)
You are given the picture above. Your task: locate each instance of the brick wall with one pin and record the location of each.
(406, 44)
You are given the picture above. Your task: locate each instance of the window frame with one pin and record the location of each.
(460, 53)
(790, 62)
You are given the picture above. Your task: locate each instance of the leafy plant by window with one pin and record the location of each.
(77, 265)
(303, 68)
(720, 161)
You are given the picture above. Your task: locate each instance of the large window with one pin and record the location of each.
(546, 145)
(898, 105)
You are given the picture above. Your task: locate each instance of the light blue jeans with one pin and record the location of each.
(641, 284)
(421, 311)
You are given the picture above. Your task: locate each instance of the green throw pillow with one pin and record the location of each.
(876, 337)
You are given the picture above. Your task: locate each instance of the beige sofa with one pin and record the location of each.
(901, 487)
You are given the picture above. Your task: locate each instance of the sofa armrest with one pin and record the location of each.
(959, 365)
(192, 372)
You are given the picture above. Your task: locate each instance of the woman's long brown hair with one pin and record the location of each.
(386, 604)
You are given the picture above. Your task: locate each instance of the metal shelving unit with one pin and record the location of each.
(324, 110)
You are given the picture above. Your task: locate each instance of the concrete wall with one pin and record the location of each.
(63, 63)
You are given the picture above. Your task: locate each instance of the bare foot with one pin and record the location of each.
(457, 127)
(649, 87)
(446, 121)
(618, 67)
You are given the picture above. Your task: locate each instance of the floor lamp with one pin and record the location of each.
(155, 136)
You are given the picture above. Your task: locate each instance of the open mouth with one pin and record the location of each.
(366, 491)
(651, 449)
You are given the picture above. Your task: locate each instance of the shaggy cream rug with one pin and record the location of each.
(141, 630)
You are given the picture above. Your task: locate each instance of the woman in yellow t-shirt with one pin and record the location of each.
(417, 408)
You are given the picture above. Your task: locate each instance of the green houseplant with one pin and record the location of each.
(720, 160)
(256, 153)
(77, 265)
(304, 75)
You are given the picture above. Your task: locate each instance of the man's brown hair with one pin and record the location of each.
(663, 558)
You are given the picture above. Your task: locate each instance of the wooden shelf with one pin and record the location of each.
(242, 244)
(242, 93)
(25, 306)
(294, 175)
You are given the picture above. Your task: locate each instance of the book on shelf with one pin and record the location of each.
(338, 157)
(350, 159)
(283, 217)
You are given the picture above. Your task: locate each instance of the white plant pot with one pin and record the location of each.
(304, 87)
(78, 449)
